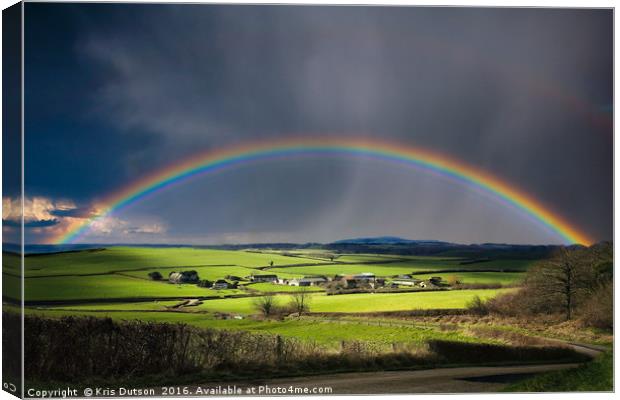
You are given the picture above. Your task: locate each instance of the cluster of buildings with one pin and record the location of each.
(410, 281)
(305, 281)
(363, 280)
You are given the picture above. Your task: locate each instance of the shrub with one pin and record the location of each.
(205, 283)
(265, 304)
(598, 311)
(155, 276)
(477, 306)
(508, 304)
(300, 301)
(454, 280)
(465, 286)
(79, 349)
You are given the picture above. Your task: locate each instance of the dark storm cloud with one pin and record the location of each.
(522, 93)
(83, 212)
(31, 224)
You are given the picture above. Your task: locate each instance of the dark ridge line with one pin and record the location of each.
(445, 271)
(96, 250)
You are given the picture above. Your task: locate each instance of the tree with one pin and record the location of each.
(604, 254)
(454, 280)
(156, 276)
(562, 282)
(265, 304)
(205, 283)
(300, 300)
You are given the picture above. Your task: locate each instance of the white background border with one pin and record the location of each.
(479, 3)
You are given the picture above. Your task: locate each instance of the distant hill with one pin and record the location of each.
(398, 245)
(379, 245)
(388, 240)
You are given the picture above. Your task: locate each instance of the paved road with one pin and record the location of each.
(439, 380)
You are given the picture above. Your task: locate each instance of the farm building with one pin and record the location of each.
(308, 281)
(220, 284)
(184, 277)
(264, 278)
(359, 280)
(365, 276)
(406, 282)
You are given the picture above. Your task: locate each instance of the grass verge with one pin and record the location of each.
(595, 376)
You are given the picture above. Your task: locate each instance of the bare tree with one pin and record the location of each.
(561, 282)
(300, 300)
(265, 304)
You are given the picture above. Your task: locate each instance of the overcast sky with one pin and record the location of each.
(114, 92)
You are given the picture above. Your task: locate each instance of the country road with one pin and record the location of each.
(439, 380)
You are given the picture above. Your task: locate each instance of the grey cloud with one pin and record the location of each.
(81, 212)
(31, 224)
(518, 92)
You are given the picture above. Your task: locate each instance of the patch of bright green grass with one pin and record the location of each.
(135, 258)
(369, 302)
(363, 302)
(416, 265)
(319, 302)
(349, 269)
(594, 376)
(108, 287)
(504, 278)
(362, 258)
(211, 273)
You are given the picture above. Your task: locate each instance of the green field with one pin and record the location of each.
(122, 273)
(323, 332)
(109, 287)
(211, 273)
(347, 269)
(370, 302)
(136, 258)
(319, 302)
(405, 267)
(364, 302)
(114, 283)
(504, 278)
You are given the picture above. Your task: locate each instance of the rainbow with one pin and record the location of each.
(217, 160)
